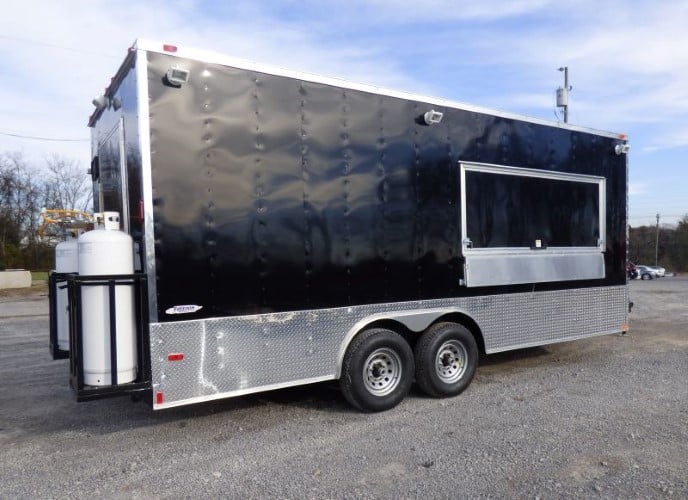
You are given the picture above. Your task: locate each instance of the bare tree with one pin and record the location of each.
(9, 229)
(25, 190)
(69, 186)
(682, 244)
(21, 192)
(21, 198)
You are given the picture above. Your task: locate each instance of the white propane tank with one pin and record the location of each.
(107, 251)
(66, 261)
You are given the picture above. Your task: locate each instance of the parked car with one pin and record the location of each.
(631, 270)
(647, 273)
(661, 272)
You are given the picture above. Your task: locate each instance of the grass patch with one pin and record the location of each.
(39, 275)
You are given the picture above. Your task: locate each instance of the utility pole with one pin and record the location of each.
(657, 241)
(563, 94)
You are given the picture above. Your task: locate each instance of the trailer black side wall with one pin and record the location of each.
(274, 194)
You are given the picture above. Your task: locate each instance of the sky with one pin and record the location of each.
(628, 64)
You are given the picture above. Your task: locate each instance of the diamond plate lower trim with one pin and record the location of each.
(232, 356)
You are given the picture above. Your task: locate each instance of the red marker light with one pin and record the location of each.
(169, 48)
(158, 398)
(177, 356)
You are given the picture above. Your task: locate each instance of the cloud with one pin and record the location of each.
(627, 64)
(673, 139)
(402, 11)
(48, 80)
(636, 188)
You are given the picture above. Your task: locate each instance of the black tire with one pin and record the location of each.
(446, 359)
(377, 372)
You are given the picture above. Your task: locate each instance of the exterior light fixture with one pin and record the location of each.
(101, 102)
(622, 149)
(177, 76)
(432, 117)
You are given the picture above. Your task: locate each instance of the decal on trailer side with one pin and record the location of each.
(185, 309)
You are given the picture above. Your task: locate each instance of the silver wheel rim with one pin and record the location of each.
(451, 361)
(382, 371)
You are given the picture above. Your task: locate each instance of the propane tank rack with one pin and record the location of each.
(56, 281)
(141, 385)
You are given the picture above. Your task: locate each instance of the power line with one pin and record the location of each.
(37, 138)
(654, 215)
(57, 46)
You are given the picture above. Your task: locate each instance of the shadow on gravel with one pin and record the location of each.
(324, 396)
(107, 416)
(520, 354)
(122, 413)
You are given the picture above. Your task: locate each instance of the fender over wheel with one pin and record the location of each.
(377, 371)
(446, 358)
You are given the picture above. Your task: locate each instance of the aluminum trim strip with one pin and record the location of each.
(243, 392)
(399, 317)
(146, 181)
(123, 173)
(493, 168)
(566, 339)
(527, 251)
(536, 267)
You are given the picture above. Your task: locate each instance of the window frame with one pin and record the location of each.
(500, 266)
(466, 167)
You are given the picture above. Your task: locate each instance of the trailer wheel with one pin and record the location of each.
(446, 359)
(377, 372)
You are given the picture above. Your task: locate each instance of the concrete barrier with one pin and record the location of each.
(15, 278)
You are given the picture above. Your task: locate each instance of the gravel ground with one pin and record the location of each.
(604, 417)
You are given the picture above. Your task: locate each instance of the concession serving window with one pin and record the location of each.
(521, 225)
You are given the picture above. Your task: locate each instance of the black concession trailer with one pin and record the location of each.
(290, 229)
